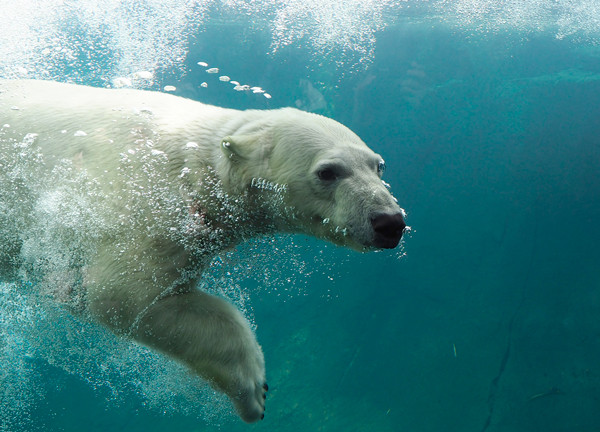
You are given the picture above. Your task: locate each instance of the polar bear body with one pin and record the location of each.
(164, 185)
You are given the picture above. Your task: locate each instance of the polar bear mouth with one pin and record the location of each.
(384, 231)
(326, 229)
(381, 242)
(344, 236)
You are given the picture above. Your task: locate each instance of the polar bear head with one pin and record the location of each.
(332, 180)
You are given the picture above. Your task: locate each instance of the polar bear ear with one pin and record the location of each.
(238, 147)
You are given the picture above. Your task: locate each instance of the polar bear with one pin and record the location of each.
(162, 185)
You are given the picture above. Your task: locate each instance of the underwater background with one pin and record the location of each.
(487, 318)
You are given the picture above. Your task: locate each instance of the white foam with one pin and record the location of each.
(134, 35)
(153, 35)
(579, 19)
(138, 38)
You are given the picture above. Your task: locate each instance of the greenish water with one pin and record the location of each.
(486, 320)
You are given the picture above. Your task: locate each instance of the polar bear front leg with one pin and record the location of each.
(215, 340)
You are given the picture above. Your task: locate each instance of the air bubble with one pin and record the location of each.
(146, 75)
(121, 82)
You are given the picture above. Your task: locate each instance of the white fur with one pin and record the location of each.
(174, 183)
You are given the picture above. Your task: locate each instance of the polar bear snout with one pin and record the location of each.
(388, 229)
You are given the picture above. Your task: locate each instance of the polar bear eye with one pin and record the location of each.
(327, 174)
(381, 167)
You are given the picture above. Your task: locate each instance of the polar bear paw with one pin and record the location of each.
(249, 402)
(243, 374)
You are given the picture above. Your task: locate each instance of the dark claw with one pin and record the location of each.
(266, 387)
(264, 396)
(262, 416)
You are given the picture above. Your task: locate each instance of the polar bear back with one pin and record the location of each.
(88, 118)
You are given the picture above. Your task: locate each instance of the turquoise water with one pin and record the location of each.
(485, 320)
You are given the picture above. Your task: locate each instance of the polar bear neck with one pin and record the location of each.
(225, 197)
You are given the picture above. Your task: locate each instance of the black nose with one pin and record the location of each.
(388, 229)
